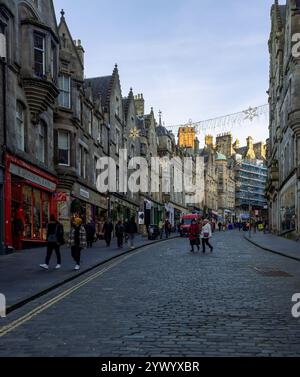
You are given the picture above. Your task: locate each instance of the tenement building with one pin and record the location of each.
(80, 136)
(284, 99)
(7, 12)
(211, 178)
(31, 89)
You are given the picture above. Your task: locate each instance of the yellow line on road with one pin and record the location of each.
(27, 317)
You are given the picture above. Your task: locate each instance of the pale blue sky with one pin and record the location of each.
(193, 59)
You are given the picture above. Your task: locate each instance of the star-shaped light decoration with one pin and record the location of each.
(251, 113)
(134, 133)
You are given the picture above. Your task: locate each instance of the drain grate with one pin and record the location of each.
(272, 272)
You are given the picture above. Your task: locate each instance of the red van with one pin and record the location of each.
(186, 222)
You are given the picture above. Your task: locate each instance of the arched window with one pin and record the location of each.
(20, 127)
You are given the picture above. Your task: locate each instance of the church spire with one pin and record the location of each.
(160, 115)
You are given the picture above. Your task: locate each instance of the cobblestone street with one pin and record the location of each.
(166, 301)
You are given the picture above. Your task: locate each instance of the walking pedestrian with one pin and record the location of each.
(194, 234)
(108, 229)
(161, 228)
(120, 234)
(90, 233)
(265, 226)
(55, 238)
(77, 240)
(167, 228)
(132, 230)
(206, 235)
(126, 235)
(220, 226)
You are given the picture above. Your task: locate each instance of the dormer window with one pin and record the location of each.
(39, 54)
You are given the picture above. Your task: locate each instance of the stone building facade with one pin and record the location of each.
(56, 125)
(31, 92)
(80, 136)
(226, 187)
(120, 115)
(284, 100)
(211, 178)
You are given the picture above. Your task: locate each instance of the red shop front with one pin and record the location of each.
(29, 201)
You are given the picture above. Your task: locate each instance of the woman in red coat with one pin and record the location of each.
(194, 235)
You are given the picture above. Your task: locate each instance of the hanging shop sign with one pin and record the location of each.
(141, 218)
(61, 196)
(148, 205)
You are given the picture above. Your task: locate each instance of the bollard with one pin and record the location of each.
(2, 306)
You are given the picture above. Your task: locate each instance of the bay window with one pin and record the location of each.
(64, 99)
(95, 169)
(64, 148)
(82, 166)
(20, 127)
(39, 54)
(41, 142)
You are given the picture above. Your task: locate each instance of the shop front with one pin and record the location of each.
(29, 201)
(82, 201)
(123, 209)
(288, 209)
(1, 211)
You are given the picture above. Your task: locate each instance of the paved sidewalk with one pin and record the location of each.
(275, 244)
(21, 277)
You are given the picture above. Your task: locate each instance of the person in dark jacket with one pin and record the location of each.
(132, 230)
(108, 229)
(167, 228)
(194, 235)
(55, 238)
(90, 233)
(126, 234)
(120, 234)
(77, 240)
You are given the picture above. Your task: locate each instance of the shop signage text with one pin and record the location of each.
(29, 176)
(85, 194)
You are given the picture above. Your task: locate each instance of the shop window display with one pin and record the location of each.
(30, 213)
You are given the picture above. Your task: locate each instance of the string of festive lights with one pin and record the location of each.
(225, 123)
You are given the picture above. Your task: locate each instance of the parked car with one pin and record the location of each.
(186, 222)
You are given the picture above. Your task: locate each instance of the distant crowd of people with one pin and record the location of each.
(257, 225)
(83, 236)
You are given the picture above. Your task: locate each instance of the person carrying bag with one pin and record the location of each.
(206, 235)
(194, 235)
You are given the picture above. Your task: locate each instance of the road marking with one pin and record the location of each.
(33, 313)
